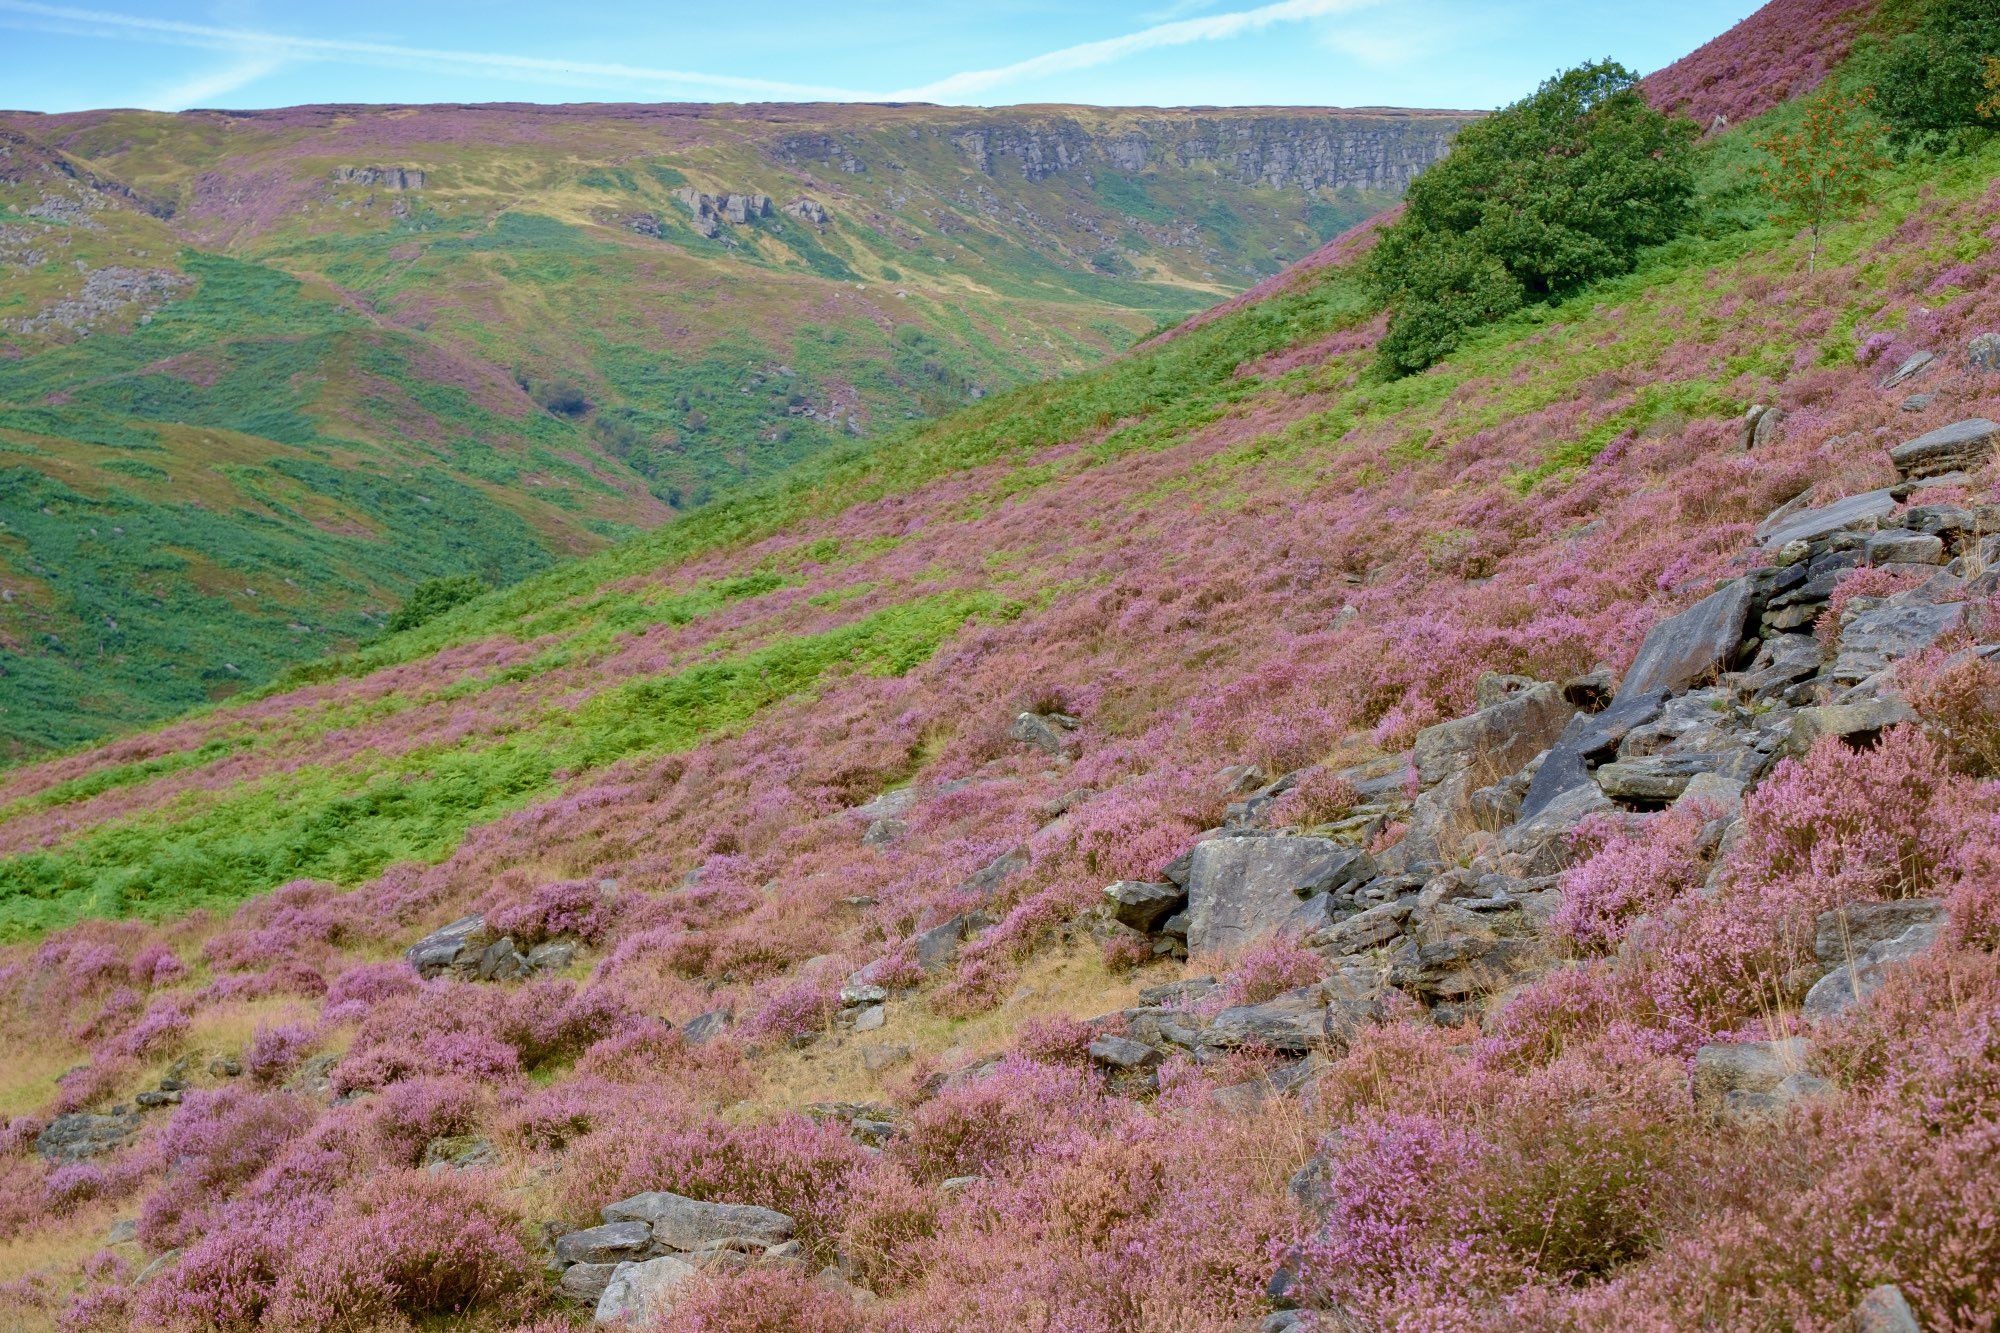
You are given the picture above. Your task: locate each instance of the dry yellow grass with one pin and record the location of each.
(1071, 981)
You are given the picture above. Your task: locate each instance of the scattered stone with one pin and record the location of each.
(1242, 1099)
(501, 961)
(876, 1059)
(585, 1283)
(1848, 931)
(1496, 740)
(442, 948)
(1045, 732)
(1853, 981)
(681, 1223)
(1906, 548)
(935, 948)
(1917, 364)
(552, 955)
(1963, 446)
(1124, 1053)
(1983, 353)
(1918, 402)
(79, 1135)
(1770, 423)
(990, 877)
(1859, 724)
(1883, 1309)
(1294, 1023)
(1143, 906)
(459, 1152)
(122, 1232)
(871, 1018)
(1749, 1078)
(1659, 779)
(706, 1026)
(606, 1244)
(1873, 638)
(1364, 930)
(1694, 646)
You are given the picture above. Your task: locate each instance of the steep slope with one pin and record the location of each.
(293, 362)
(763, 860)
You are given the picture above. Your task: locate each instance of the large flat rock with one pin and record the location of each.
(1960, 447)
(1241, 888)
(1496, 740)
(1861, 511)
(1692, 647)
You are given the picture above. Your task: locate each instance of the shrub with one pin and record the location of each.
(216, 1142)
(275, 1052)
(566, 907)
(1627, 873)
(432, 598)
(1544, 197)
(1932, 84)
(1320, 797)
(760, 1300)
(1271, 966)
(1958, 696)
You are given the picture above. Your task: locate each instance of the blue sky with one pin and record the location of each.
(170, 54)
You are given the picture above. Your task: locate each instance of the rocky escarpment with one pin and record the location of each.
(1361, 150)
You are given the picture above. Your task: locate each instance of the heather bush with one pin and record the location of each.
(275, 1051)
(984, 1122)
(1320, 797)
(401, 1247)
(550, 1020)
(361, 987)
(1268, 968)
(566, 907)
(216, 1143)
(1624, 872)
(408, 1116)
(1958, 697)
(792, 1164)
(1056, 1040)
(761, 1300)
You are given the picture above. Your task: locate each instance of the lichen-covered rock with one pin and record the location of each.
(74, 1137)
(444, 947)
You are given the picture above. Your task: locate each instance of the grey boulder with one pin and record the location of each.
(604, 1245)
(681, 1223)
(1959, 447)
(645, 1292)
(1242, 887)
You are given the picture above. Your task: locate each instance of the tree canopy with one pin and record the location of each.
(1542, 198)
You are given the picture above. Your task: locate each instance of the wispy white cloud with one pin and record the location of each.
(202, 89)
(1179, 32)
(279, 46)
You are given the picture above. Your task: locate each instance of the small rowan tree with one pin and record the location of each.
(1817, 172)
(1990, 108)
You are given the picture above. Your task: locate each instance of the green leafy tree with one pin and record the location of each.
(1933, 82)
(433, 597)
(1820, 170)
(1544, 197)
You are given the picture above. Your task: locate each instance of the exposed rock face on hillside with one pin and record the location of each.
(388, 178)
(1300, 151)
(1282, 152)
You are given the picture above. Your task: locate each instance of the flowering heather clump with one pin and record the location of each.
(1627, 872)
(755, 1300)
(566, 907)
(216, 1143)
(1273, 965)
(275, 1051)
(1958, 696)
(405, 1245)
(1320, 797)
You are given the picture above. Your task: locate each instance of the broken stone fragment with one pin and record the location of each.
(1143, 906)
(1124, 1053)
